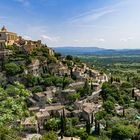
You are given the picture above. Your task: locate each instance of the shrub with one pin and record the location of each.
(37, 89)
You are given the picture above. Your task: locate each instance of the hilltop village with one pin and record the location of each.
(41, 85)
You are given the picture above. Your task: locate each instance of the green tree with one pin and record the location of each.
(100, 115)
(12, 68)
(73, 96)
(69, 57)
(13, 108)
(58, 56)
(9, 134)
(137, 105)
(37, 89)
(109, 106)
(51, 135)
(84, 136)
(31, 80)
(92, 138)
(121, 132)
(87, 88)
(2, 79)
(66, 81)
(51, 124)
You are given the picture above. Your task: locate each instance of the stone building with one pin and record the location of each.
(7, 38)
(29, 45)
(137, 94)
(34, 68)
(88, 110)
(41, 99)
(41, 117)
(30, 124)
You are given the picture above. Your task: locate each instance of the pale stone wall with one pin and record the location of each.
(7, 38)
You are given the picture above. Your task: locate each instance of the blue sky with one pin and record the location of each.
(101, 23)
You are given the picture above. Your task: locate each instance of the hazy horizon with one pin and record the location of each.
(94, 47)
(104, 24)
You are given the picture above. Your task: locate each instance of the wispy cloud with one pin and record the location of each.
(23, 2)
(27, 37)
(92, 16)
(126, 39)
(49, 38)
(81, 41)
(88, 17)
(100, 40)
(3, 18)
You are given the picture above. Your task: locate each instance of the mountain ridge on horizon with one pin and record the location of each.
(66, 50)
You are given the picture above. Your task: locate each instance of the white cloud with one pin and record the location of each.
(48, 38)
(93, 15)
(81, 41)
(126, 39)
(27, 37)
(23, 2)
(101, 40)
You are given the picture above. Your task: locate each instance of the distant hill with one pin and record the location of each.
(77, 50)
(94, 50)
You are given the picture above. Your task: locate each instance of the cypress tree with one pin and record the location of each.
(111, 80)
(133, 93)
(88, 125)
(63, 123)
(92, 118)
(96, 126)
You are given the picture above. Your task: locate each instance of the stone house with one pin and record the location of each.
(67, 113)
(62, 71)
(93, 73)
(30, 124)
(95, 86)
(7, 38)
(137, 94)
(40, 98)
(87, 111)
(77, 113)
(52, 89)
(33, 109)
(41, 117)
(53, 68)
(54, 110)
(76, 84)
(63, 96)
(58, 69)
(28, 45)
(79, 104)
(31, 102)
(80, 73)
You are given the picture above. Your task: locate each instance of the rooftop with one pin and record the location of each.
(70, 138)
(49, 108)
(89, 107)
(40, 94)
(29, 120)
(42, 114)
(76, 84)
(3, 29)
